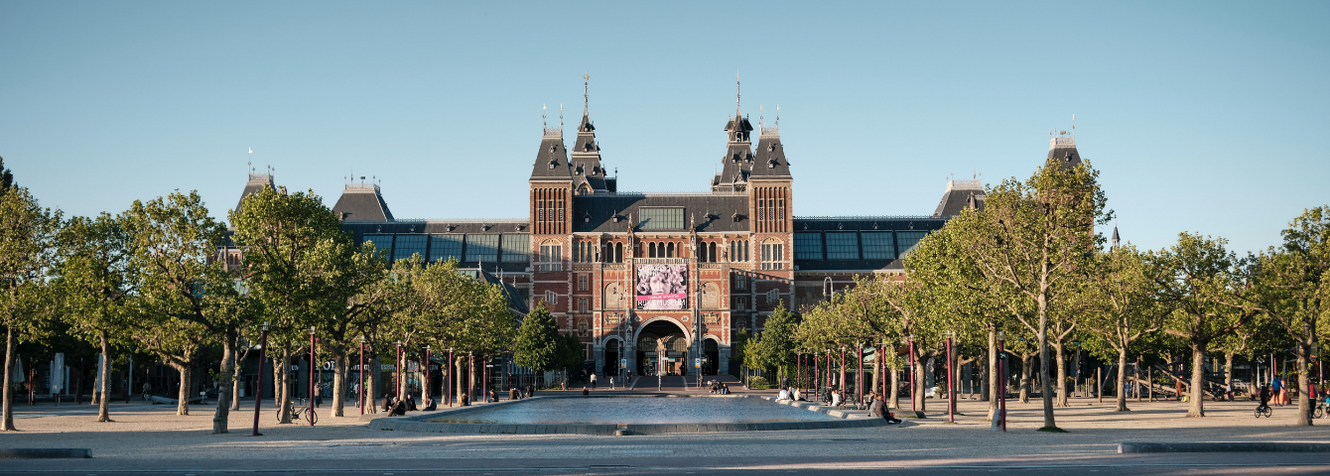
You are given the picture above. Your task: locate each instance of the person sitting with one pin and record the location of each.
(879, 409)
(387, 402)
(837, 400)
(513, 394)
(585, 392)
(494, 396)
(798, 395)
(724, 389)
(398, 409)
(431, 405)
(409, 403)
(466, 400)
(783, 395)
(530, 392)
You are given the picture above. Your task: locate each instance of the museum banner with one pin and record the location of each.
(662, 286)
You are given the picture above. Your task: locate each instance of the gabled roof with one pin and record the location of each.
(515, 301)
(770, 161)
(1063, 148)
(255, 185)
(586, 165)
(362, 202)
(960, 194)
(713, 212)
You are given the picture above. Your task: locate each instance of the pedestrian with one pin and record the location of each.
(611, 382)
(1277, 390)
(147, 390)
(593, 381)
(318, 395)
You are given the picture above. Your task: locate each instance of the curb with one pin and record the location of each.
(1235, 447)
(44, 453)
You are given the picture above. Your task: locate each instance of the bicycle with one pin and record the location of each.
(1319, 410)
(1263, 411)
(299, 412)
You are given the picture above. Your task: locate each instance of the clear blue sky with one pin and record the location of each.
(1208, 117)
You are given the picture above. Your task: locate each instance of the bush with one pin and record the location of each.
(758, 383)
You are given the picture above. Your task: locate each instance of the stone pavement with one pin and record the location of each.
(153, 436)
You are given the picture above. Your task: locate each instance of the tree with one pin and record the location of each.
(6, 177)
(307, 272)
(1119, 306)
(1291, 285)
(98, 280)
(185, 291)
(1033, 237)
(776, 346)
(1196, 276)
(27, 251)
(537, 345)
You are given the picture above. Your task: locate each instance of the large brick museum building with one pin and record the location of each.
(630, 273)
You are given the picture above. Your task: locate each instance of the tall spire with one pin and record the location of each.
(738, 90)
(586, 97)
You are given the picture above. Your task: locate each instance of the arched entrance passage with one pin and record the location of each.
(676, 348)
(613, 352)
(711, 356)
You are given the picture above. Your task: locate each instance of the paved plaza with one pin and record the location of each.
(151, 438)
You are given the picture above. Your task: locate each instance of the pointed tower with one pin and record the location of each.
(1063, 148)
(1117, 241)
(738, 159)
(551, 218)
(588, 173)
(254, 186)
(362, 202)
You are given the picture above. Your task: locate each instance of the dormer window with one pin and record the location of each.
(771, 148)
(553, 164)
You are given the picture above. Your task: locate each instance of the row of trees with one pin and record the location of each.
(1030, 265)
(151, 279)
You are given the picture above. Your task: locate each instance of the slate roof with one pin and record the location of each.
(958, 196)
(736, 166)
(551, 159)
(714, 212)
(1064, 149)
(770, 161)
(515, 301)
(255, 185)
(586, 165)
(362, 202)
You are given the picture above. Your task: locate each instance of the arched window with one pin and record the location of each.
(669, 250)
(618, 252)
(711, 252)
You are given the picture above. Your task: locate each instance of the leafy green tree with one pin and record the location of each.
(1033, 237)
(775, 349)
(184, 291)
(537, 346)
(27, 251)
(6, 177)
(307, 272)
(98, 281)
(1119, 307)
(1291, 285)
(1197, 277)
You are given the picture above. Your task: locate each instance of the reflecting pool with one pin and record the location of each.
(638, 410)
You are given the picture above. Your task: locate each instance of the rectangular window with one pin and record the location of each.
(581, 305)
(878, 245)
(445, 247)
(407, 245)
(842, 246)
(515, 248)
(741, 282)
(772, 254)
(907, 239)
(551, 258)
(773, 296)
(551, 298)
(582, 283)
(808, 246)
(740, 303)
(661, 218)
(383, 243)
(482, 248)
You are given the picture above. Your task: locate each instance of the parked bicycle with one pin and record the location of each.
(300, 410)
(1319, 410)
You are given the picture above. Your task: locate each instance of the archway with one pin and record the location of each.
(613, 352)
(711, 354)
(676, 348)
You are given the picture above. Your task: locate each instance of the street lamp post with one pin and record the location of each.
(258, 395)
(311, 375)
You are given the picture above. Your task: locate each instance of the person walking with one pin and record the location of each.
(593, 381)
(611, 382)
(1277, 390)
(147, 390)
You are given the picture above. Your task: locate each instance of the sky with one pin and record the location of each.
(1207, 117)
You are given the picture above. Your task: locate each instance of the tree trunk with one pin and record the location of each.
(104, 405)
(895, 386)
(470, 377)
(339, 382)
(919, 385)
(8, 402)
(371, 383)
(1121, 393)
(220, 417)
(1196, 407)
(1062, 400)
(459, 370)
(1045, 385)
(1027, 382)
(182, 390)
(1228, 372)
(991, 375)
(1304, 384)
(239, 368)
(282, 377)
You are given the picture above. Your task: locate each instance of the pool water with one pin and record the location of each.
(638, 410)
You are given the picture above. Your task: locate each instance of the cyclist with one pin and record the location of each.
(1265, 397)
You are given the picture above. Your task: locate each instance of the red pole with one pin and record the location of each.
(813, 380)
(859, 385)
(951, 387)
(484, 379)
(360, 375)
(258, 394)
(311, 377)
